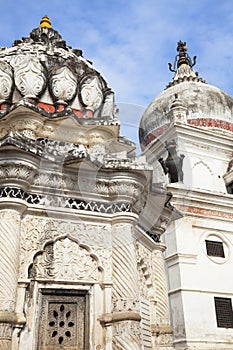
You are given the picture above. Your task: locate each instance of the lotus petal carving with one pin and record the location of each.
(30, 78)
(63, 85)
(91, 94)
(6, 81)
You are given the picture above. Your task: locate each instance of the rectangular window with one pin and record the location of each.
(223, 308)
(215, 248)
(63, 320)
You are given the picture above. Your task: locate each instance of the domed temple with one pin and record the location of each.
(101, 249)
(187, 131)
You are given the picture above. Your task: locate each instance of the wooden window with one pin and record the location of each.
(215, 248)
(63, 320)
(223, 308)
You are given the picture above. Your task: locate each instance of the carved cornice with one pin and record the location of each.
(49, 149)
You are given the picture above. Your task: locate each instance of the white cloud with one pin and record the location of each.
(131, 41)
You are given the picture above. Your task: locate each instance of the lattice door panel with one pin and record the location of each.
(63, 322)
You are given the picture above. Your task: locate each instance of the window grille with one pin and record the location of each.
(63, 320)
(223, 308)
(215, 248)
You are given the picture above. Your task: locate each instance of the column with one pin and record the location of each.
(9, 259)
(126, 316)
(162, 330)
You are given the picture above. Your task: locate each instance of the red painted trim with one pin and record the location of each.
(206, 122)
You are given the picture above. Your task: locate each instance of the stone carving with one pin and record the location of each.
(91, 94)
(62, 151)
(5, 336)
(30, 77)
(9, 242)
(63, 84)
(18, 171)
(125, 275)
(147, 287)
(126, 336)
(6, 81)
(37, 232)
(173, 164)
(108, 109)
(5, 331)
(118, 188)
(65, 260)
(159, 276)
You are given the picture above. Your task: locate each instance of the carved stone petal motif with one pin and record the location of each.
(6, 81)
(63, 84)
(66, 260)
(91, 93)
(30, 78)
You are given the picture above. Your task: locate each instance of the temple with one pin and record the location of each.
(101, 249)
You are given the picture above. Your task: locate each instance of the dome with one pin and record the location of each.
(186, 99)
(43, 73)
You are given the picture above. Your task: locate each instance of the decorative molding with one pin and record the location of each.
(16, 171)
(204, 212)
(65, 260)
(37, 232)
(50, 201)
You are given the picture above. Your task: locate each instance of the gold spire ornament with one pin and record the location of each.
(182, 58)
(45, 22)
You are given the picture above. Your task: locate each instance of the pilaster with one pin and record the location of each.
(9, 260)
(161, 331)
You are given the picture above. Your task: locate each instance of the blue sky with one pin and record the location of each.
(131, 41)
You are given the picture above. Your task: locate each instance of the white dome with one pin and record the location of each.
(204, 104)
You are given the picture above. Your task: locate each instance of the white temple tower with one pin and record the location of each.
(188, 128)
(81, 261)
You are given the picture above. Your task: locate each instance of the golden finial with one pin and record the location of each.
(45, 22)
